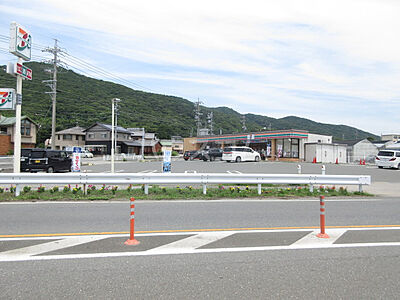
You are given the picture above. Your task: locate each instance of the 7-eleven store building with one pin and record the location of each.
(283, 145)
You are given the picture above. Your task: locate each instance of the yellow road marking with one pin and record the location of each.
(186, 230)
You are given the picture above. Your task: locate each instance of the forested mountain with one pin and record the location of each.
(82, 100)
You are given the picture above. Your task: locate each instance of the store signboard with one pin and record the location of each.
(7, 99)
(20, 41)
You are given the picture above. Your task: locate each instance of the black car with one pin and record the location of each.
(191, 155)
(212, 154)
(37, 159)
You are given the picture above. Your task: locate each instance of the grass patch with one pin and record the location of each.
(68, 193)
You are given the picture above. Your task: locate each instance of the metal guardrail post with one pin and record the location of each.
(360, 189)
(146, 189)
(323, 169)
(17, 190)
(298, 169)
(204, 189)
(259, 188)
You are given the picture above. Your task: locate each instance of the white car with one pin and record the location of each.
(388, 159)
(240, 153)
(86, 154)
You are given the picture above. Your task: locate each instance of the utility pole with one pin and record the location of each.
(197, 115)
(113, 102)
(210, 122)
(143, 135)
(243, 119)
(53, 86)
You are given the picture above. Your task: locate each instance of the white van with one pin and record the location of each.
(388, 159)
(239, 154)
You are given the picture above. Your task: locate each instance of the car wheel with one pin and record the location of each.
(50, 170)
(380, 167)
(238, 159)
(212, 158)
(186, 158)
(398, 166)
(257, 159)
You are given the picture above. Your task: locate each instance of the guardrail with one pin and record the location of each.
(20, 179)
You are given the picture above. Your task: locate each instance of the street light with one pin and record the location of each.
(113, 102)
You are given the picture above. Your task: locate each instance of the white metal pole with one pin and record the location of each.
(17, 133)
(143, 143)
(112, 136)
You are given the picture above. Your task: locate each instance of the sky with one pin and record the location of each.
(335, 62)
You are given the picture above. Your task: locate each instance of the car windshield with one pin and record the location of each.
(228, 149)
(386, 153)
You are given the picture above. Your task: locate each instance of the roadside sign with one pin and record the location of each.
(20, 41)
(167, 161)
(76, 162)
(7, 99)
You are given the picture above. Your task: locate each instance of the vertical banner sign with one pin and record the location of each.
(20, 41)
(167, 161)
(7, 99)
(76, 159)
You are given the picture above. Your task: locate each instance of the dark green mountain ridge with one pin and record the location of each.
(83, 101)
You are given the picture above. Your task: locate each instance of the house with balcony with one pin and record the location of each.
(7, 133)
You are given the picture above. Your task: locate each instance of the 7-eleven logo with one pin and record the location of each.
(23, 39)
(5, 97)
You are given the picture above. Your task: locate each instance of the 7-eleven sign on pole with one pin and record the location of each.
(20, 46)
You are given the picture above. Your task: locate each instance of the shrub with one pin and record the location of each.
(41, 189)
(26, 189)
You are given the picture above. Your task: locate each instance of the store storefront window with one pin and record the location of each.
(288, 148)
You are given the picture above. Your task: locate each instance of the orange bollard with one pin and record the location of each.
(132, 240)
(322, 234)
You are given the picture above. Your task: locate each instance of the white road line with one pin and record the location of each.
(191, 242)
(191, 171)
(311, 239)
(47, 247)
(148, 171)
(234, 172)
(195, 251)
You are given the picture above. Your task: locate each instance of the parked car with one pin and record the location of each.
(388, 159)
(191, 155)
(239, 154)
(212, 154)
(25, 155)
(86, 154)
(37, 159)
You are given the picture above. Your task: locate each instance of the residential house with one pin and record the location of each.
(71, 137)
(177, 144)
(146, 140)
(7, 133)
(99, 136)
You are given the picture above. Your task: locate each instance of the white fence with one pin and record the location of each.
(20, 179)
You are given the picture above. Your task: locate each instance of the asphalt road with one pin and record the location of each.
(344, 273)
(27, 218)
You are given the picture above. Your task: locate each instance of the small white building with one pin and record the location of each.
(325, 152)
